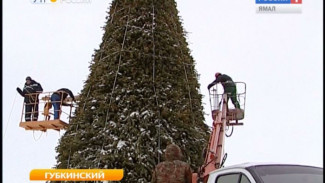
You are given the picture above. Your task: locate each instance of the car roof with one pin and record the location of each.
(251, 164)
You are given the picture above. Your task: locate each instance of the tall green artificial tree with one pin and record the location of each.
(142, 93)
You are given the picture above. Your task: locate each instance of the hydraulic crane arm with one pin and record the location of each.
(213, 154)
(215, 148)
(221, 115)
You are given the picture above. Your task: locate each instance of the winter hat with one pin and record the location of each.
(173, 152)
(217, 74)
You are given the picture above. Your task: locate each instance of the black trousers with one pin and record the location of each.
(31, 111)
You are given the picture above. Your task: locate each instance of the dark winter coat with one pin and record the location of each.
(173, 170)
(33, 88)
(63, 93)
(224, 79)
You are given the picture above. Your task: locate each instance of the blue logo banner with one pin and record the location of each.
(273, 1)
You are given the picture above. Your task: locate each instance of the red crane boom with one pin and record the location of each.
(222, 117)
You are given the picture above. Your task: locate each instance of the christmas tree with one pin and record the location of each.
(142, 93)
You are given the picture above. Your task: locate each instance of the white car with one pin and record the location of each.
(267, 173)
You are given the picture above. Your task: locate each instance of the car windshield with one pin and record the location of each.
(288, 174)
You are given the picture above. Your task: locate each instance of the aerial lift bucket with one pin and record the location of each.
(215, 101)
(233, 114)
(44, 105)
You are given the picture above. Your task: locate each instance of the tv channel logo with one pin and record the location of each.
(278, 6)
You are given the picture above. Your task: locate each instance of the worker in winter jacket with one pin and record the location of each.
(172, 170)
(31, 92)
(229, 87)
(58, 97)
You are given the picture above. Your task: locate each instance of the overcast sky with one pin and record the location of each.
(278, 56)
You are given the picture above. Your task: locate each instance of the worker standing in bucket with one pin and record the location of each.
(59, 96)
(229, 87)
(30, 93)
